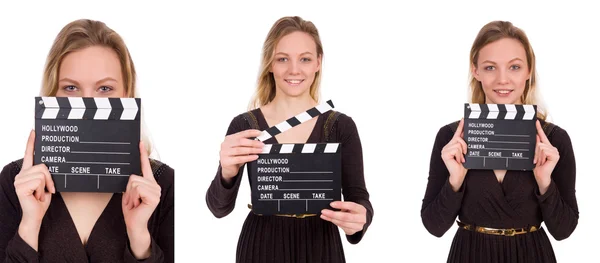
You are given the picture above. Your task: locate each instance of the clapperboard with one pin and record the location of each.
(88, 144)
(500, 136)
(296, 178)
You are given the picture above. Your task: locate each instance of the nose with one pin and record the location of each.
(502, 77)
(295, 67)
(87, 91)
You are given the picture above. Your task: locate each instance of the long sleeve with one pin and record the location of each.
(440, 204)
(12, 247)
(353, 180)
(559, 204)
(162, 223)
(220, 196)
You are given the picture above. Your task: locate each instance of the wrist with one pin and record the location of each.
(29, 232)
(139, 243)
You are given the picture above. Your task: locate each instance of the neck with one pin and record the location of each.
(285, 106)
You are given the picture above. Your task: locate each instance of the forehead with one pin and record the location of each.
(296, 43)
(91, 64)
(503, 50)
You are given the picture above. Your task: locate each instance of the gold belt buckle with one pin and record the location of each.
(509, 232)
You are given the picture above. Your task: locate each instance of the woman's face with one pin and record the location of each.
(91, 72)
(503, 71)
(295, 64)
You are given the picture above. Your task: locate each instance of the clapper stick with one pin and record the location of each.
(295, 121)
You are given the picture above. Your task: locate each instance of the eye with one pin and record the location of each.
(305, 59)
(70, 88)
(105, 89)
(282, 59)
(515, 67)
(489, 68)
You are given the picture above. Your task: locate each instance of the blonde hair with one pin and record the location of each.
(80, 34)
(265, 90)
(494, 31)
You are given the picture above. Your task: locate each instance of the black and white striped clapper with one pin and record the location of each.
(88, 144)
(499, 136)
(296, 178)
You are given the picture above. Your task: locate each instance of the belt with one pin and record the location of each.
(499, 232)
(288, 215)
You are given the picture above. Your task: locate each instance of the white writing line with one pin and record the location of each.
(499, 157)
(311, 172)
(512, 135)
(99, 163)
(307, 181)
(304, 190)
(101, 152)
(107, 142)
(91, 174)
(329, 199)
(525, 150)
(508, 142)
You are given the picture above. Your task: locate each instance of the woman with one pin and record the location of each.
(37, 224)
(288, 85)
(510, 204)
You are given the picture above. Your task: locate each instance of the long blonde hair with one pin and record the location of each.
(265, 89)
(80, 34)
(494, 31)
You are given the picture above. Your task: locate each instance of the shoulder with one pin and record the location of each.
(242, 121)
(10, 171)
(445, 133)
(163, 173)
(557, 135)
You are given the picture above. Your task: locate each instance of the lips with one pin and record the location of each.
(503, 92)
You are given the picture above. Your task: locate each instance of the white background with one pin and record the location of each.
(400, 71)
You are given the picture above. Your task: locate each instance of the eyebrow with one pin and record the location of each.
(304, 53)
(491, 62)
(97, 82)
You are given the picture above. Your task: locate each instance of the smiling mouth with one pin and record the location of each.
(294, 81)
(503, 91)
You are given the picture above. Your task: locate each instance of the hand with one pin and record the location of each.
(236, 150)
(140, 199)
(453, 155)
(545, 159)
(30, 185)
(352, 217)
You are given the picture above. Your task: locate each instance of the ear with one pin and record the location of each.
(475, 72)
(319, 60)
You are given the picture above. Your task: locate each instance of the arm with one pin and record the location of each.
(353, 180)
(221, 194)
(559, 204)
(162, 224)
(440, 204)
(12, 246)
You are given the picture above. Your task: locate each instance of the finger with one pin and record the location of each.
(345, 225)
(541, 132)
(250, 133)
(463, 144)
(459, 130)
(241, 151)
(48, 179)
(148, 195)
(242, 159)
(125, 199)
(248, 143)
(145, 162)
(347, 205)
(341, 216)
(537, 149)
(137, 180)
(27, 188)
(28, 159)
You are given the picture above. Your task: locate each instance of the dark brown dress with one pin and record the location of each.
(108, 241)
(514, 203)
(296, 240)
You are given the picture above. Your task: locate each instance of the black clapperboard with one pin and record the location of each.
(88, 144)
(296, 178)
(500, 136)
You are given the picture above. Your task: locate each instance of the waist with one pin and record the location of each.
(497, 231)
(287, 215)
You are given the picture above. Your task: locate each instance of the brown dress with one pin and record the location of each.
(108, 241)
(267, 239)
(514, 203)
